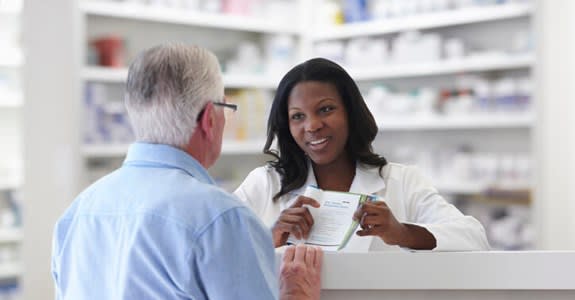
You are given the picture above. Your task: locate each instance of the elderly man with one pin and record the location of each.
(158, 227)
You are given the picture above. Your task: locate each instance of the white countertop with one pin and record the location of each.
(492, 270)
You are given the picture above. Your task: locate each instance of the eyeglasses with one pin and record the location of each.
(231, 106)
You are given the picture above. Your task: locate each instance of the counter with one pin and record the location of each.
(449, 275)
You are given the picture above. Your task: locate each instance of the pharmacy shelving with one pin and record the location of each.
(166, 15)
(470, 187)
(9, 184)
(119, 150)
(424, 21)
(10, 235)
(99, 13)
(10, 270)
(119, 75)
(464, 65)
(472, 121)
(10, 101)
(9, 9)
(10, 58)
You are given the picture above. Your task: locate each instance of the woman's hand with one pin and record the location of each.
(295, 219)
(376, 218)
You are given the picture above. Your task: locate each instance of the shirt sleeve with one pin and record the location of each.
(452, 230)
(235, 258)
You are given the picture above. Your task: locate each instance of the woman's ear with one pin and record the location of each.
(207, 121)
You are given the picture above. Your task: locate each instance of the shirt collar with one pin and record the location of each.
(166, 156)
(366, 181)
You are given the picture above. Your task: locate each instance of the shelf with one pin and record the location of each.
(105, 150)
(119, 75)
(166, 15)
(425, 21)
(10, 235)
(471, 64)
(477, 121)
(120, 150)
(10, 270)
(242, 147)
(10, 101)
(476, 187)
(9, 184)
(10, 58)
(6, 9)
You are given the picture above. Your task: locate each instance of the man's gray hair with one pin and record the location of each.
(167, 88)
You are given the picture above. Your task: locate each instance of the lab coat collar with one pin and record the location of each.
(366, 180)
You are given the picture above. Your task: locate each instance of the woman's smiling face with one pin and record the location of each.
(318, 121)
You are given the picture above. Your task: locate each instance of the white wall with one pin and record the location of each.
(51, 137)
(555, 130)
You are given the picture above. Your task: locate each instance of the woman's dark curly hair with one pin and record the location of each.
(291, 162)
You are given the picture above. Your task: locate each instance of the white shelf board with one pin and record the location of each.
(471, 64)
(472, 121)
(120, 150)
(6, 9)
(457, 186)
(10, 235)
(167, 15)
(105, 150)
(9, 184)
(10, 270)
(11, 57)
(119, 75)
(251, 81)
(424, 21)
(242, 147)
(105, 74)
(10, 100)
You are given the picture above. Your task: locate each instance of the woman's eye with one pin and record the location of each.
(326, 109)
(296, 116)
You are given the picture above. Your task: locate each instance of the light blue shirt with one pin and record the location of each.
(158, 228)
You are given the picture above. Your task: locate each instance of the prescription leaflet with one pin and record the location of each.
(333, 220)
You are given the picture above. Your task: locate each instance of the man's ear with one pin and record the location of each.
(207, 121)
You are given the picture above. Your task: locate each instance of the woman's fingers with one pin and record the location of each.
(302, 200)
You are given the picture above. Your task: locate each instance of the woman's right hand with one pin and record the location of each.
(295, 219)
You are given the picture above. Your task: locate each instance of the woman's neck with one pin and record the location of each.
(337, 176)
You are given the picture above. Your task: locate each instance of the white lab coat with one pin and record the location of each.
(410, 196)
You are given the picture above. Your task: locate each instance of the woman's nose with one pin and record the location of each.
(313, 124)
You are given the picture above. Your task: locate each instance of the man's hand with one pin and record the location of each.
(295, 219)
(300, 273)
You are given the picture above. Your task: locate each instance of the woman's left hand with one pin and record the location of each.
(376, 218)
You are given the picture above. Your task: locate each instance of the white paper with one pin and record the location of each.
(332, 220)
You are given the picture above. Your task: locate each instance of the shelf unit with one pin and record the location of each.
(94, 12)
(11, 100)
(475, 121)
(494, 133)
(10, 235)
(452, 128)
(10, 270)
(424, 21)
(10, 58)
(165, 15)
(465, 65)
(119, 75)
(120, 150)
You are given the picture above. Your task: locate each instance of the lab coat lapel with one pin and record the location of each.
(366, 180)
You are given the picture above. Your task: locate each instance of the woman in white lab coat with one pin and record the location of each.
(324, 133)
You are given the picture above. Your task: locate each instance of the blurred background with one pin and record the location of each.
(477, 93)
